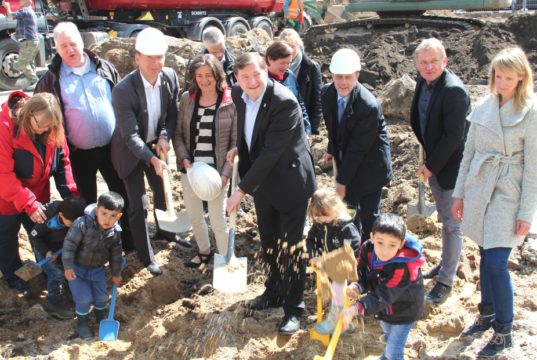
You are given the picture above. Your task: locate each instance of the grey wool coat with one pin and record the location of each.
(497, 178)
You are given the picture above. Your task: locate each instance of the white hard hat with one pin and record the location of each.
(151, 41)
(345, 61)
(205, 181)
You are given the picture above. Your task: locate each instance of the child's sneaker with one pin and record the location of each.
(328, 325)
(58, 310)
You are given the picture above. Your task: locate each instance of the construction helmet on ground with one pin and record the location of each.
(345, 61)
(205, 181)
(150, 42)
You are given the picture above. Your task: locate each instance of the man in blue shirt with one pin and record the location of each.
(27, 36)
(83, 84)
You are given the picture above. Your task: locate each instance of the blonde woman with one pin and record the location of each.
(496, 192)
(33, 149)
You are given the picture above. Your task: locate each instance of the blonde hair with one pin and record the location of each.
(326, 202)
(514, 59)
(43, 104)
(291, 37)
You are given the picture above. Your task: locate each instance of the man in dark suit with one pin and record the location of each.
(276, 168)
(145, 104)
(438, 118)
(357, 140)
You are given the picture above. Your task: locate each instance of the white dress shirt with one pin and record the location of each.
(152, 96)
(252, 108)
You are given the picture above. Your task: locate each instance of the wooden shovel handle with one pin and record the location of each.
(167, 186)
(234, 181)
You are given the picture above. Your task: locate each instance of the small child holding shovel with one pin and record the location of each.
(390, 279)
(46, 239)
(93, 240)
(332, 228)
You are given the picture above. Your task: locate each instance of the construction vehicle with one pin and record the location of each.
(98, 19)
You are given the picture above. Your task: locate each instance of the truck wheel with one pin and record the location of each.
(9, 54)
(237, 28)
(266, 26)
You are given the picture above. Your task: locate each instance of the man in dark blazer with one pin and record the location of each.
(276, 168)
(357, 140)
(145, 104)
(438, 118)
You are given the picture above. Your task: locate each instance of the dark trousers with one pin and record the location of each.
(367, 212)
(85, 164)
(138, 205)
(280, 234)
(9, 242)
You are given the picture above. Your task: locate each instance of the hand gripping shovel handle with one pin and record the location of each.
(167, 187)
(42, 262)
(233, 215)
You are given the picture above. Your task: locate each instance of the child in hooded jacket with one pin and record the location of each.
(332, 228)
(391, 282)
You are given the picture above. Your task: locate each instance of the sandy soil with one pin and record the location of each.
(179, 315)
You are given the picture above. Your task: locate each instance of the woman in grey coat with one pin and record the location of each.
(496, 192)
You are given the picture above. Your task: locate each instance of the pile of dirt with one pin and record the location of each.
(179, 316)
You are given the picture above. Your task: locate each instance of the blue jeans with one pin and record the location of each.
(55, 279)
(89, 288)
(396, 336)
(496, 287)
(9, 243)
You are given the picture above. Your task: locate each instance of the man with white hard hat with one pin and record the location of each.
(145, 104)
(357, 139)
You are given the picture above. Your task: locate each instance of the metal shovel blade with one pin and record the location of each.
(229, 275)
(28, 271)
(109, 328)
(421, 208)
(172, 221)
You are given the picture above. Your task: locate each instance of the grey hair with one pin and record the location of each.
(430, 44)
(212, 36)
(67, 28)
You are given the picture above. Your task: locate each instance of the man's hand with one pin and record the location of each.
(424, 173)
(39, 216)
(234, 202)
(522, 228)
(159, 165)
(341, 190)
(116, 280)
(69, 274)
(327, 158)
(162, 146)
(230, 156)
(457, 209)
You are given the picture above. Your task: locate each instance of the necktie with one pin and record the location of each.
(340, 109)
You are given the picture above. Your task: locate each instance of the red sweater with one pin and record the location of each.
(24, 175)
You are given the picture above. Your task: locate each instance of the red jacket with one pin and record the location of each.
(24, 176)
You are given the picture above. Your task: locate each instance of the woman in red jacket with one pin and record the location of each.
(32, 149)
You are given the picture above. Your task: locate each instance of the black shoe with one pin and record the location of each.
(82, 327)
(501, 340)
(263, 302)
(58, 309)
(439, 293)
(482, 323)
(203, 259)
(290, 325)
(172, 237)
(19, 285)
(432, 273)
(154, 268)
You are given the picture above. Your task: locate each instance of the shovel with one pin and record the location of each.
(170, 220)
(421, 208)
(230, 273)
(30, 270)
(109, 328)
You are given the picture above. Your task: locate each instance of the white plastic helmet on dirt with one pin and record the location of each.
(205, 181)
(151, 42)
(345, 61)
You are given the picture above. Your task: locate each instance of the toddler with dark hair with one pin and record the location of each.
(93, 240)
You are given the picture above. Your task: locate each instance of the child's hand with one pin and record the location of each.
(314, 261)
(116, 280)
(50, 254)
(354, 290)
(69, 274)
(348, 314)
